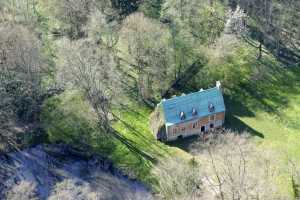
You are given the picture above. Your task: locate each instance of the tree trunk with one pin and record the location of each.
(260, 51)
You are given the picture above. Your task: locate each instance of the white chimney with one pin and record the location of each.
(218, 85)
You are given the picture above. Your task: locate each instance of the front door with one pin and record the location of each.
(202, 129)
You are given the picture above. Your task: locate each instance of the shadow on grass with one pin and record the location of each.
(235, 109)
(236, 125)
(133, 147)
(184, 143)
(147, 143)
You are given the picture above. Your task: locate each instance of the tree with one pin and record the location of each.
(21, 72)
(151, 8)
(125, 7)
(147, 44)
(92, 69)
(193, 25)
(101, 30)
(274, 24)
(180, 179)
(19, 11)
(67, 17)
(235, 169)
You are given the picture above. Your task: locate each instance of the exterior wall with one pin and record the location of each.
(193, 127)
(220, 116)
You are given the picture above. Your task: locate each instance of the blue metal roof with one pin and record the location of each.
(199, 100)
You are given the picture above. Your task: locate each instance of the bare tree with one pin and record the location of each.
(236, 169)
(146, 41)
(68, 17)
(91, 69)
(101, 30)
(21, 71)
(179, 179)
(18, 11)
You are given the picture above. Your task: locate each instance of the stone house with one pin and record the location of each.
(191, 114)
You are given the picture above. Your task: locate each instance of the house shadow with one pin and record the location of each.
(238, 126)
(234, 110)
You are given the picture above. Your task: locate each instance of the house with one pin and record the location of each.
(191, 114)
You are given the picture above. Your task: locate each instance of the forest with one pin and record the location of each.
(85, 76)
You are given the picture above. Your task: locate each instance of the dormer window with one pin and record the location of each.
(182, 115)
(211, 107)
(194, 112)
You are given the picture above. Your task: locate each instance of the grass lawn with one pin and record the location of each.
(267, 106)
(270, 110)
(134, 126)
(68, 118)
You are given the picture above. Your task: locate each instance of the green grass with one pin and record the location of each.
(265, 102)
(261, 97)
(269, 108)
(134, 126)
(68, 118)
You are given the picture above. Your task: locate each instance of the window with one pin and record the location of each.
(211, 107)
(174, 131)
(202, 128)
(182, 115)
(196, 124)
(194, 112)
(183, 129)
(212, 118)
(211, 125)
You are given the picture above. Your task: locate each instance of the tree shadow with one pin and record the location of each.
(280, 50)
(184, 143)
(134, 146)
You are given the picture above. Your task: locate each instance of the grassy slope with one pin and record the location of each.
(270, 108)
(261, 96)
(267, 105)
(68, 118)
(134, 125)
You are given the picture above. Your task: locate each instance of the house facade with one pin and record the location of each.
(192, 114)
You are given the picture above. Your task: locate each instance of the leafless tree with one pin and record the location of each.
(21, 71)
(69, 16)
(102, 31)
(235, 169)
(179, 179)
(146, 42)
(18, 11)
(224, 166)
(92, 69)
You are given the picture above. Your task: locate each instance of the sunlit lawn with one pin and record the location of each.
(275, 118)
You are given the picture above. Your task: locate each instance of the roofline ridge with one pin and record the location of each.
(189, 94)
